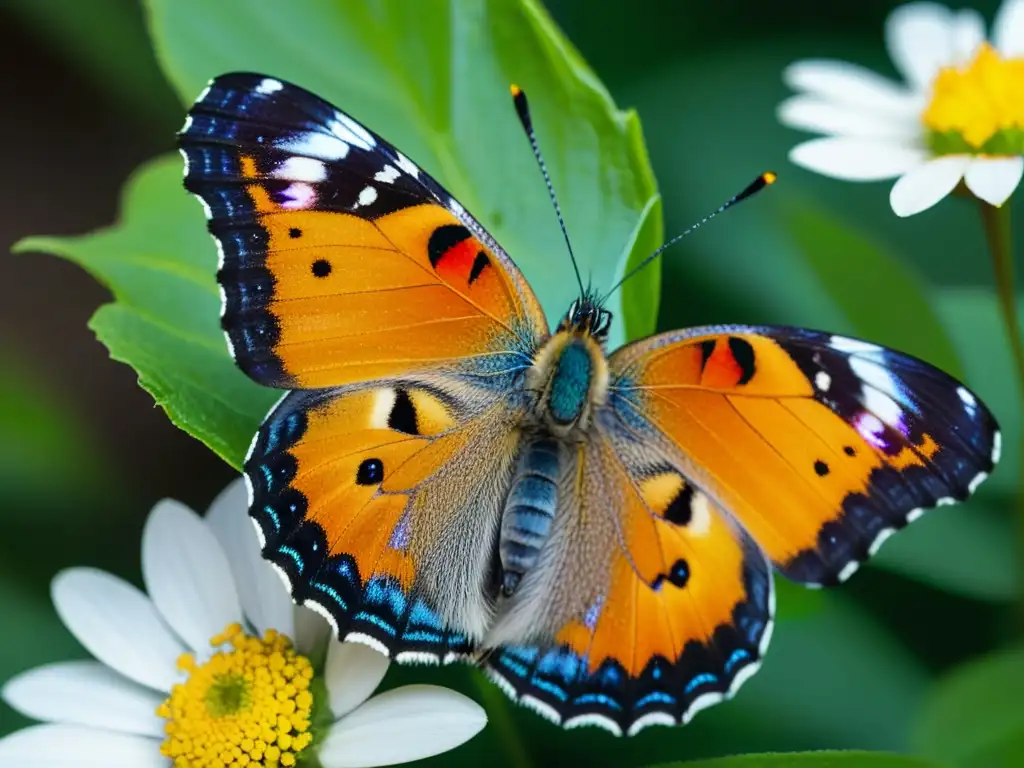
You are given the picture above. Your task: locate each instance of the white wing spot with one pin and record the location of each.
(843, 344)
(822, 381)
(407, 165)
(915, 514)
(387, 174)
(978, 480)
(364, 139)
(301, 169)
(997, 447)
(269, 85)
(383, 402)
(594, 719)
(884, 407)
(880, 539)
(366, 197)
(700, 515)
(848, 570)
(967, 398)
(544, 710)
(651, 718)
(184, 156)
(314, 144)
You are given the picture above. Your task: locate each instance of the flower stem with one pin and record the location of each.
(998, 234)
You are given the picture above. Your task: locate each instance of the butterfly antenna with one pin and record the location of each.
(762, 181)
(523, 110)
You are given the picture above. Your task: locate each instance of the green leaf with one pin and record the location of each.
(159, 264)
(863, 277)
(974, 717)
(823, 759)
(432, 77)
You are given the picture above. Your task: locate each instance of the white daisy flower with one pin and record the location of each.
(959, 116)
(204, 671)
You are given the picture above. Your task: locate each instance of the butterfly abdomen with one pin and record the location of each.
(529, 510)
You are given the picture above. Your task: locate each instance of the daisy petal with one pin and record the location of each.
(968, 34)
(853, 86)
(265, 600)
(811, 113)
(922, 187)
(1008, 29)
(74, 746)
(856, 159)
(919, 37)
(187, 574)
(85, 693)
(352, 673)
(994, 179)
(312, 632)
(118, 625)
(405, 724)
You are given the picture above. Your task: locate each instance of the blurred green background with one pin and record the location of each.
(84, 453)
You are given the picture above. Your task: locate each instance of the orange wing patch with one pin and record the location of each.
(816, 445)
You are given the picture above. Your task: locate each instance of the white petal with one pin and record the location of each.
(968, 34)
(405, 724)
(924, 186)
(811, 113)
(853, 86)
(85, 693)
(74, 746)
(993, 179)
(312, 632)
(118, 625)
(352, 673)
(1008, 29)
(187, 575)
(856, 159)
(919, 37)
(265, 600)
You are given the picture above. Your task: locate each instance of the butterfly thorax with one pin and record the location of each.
(570, 377)
(570, 370)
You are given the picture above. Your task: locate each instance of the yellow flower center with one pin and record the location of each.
(248, 705)
(978, 108)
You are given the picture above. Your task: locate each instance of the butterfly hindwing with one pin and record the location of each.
(341, 260)
(819, 445)
(378, 503)
(660, 605)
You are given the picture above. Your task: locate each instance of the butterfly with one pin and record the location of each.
(446, 479)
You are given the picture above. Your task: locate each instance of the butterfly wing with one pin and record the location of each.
(340, 259)
(352, 277)
(650, 603)
(378, 503)
(820, 446)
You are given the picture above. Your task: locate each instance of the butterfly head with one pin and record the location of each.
(587, 316)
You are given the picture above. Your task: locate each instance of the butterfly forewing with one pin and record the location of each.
(341, 260)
